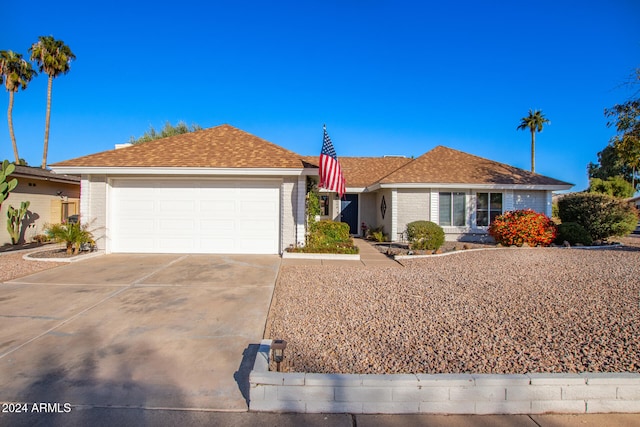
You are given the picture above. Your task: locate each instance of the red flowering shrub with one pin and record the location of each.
(523, 226)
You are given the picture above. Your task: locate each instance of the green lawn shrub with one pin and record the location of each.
(601, 215)
(573, 233)
(72, 234)
(523, 226)
(425, 235)
(328, 236)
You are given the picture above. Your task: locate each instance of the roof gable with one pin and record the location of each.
(364, 171)
(443, 165)
(222, 146)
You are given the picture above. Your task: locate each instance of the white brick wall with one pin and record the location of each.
(440, 393)
(536, 200)
(288, 207)
(413, 205)
(93, 207)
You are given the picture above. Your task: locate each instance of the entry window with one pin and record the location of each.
(452, 209)
(324, 205)
(488, 207)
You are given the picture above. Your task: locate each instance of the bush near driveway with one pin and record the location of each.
(523, 226)
(601, 215)
(328, 237)
(74, 235)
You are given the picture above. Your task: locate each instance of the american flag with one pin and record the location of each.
(331, 176)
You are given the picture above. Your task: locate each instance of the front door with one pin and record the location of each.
(349, 212)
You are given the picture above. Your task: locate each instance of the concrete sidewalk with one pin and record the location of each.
(81, 417)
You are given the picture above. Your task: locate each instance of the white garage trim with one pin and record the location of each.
(195, 215)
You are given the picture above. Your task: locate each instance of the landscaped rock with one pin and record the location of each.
(499, 311)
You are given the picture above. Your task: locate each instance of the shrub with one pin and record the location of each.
(523, 226)
(573, 233)
(330, 237)
(424, 235)
(376, 234)
(73, 234)
(601, 215)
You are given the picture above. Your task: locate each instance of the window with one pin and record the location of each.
(452, 209)
(324, 205)
(488, 207)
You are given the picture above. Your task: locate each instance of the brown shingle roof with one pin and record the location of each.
(365, 171)
(219, 147)
(448, 166)
(44, 174)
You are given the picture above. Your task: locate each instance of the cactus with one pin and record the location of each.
(6, 185)
(14, 221)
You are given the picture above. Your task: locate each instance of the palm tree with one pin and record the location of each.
(16, 74)
(53, 58)
(534, 122)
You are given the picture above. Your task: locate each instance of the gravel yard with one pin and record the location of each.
(494, 311)
(12, 265)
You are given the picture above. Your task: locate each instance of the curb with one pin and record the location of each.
(67, 260)
(461, 251)
(302, 255)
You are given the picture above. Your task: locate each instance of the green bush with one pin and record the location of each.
(601, 215)
(573, 233)
(72, 234)
(523, 226)
(425, 235)
(330, 237)
(376, 234)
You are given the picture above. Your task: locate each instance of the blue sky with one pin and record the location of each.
(387, 77)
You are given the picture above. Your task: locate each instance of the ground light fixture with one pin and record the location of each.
(277, 352)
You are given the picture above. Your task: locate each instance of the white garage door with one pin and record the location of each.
(194, 216)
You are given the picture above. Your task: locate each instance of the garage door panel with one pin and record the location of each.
(257, 228)
(191, 216)
(137, 206)
(256, 208)
(174, 225)
(136, 226)
(225, 208)
(171, 207)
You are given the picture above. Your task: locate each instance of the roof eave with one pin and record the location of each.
(481, 186)
(51, 178)
(104, 170)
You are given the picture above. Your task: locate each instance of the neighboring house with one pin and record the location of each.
(222, 190)
(53, 198)
(635, 202)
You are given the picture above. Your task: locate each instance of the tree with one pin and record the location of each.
(626, 119)
(167, 130)
(615, 186)
(535, 121)
(16, 74)
(609, 165)
(53, 58)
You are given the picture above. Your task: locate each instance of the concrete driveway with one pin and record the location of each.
(151, 331)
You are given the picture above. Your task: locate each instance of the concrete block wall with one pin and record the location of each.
(534, 393)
